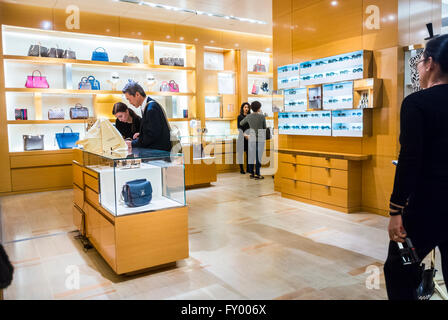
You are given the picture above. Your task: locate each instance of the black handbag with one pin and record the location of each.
(33, 142)
(69, 54)
(6, 269)
(56, 53)
(268, 134)
(36, 50)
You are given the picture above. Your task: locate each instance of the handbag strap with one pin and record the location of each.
(78, 106)
(36, 71)
(96, 50)
(91, 77)
(259, 61)
(63, 131)
(86, 79)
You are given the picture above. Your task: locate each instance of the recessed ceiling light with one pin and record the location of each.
(334, 3)
(46, 25)
(185, 10)
(181, 38)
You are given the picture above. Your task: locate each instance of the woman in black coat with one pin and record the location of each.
(418, 205)
(241, 144)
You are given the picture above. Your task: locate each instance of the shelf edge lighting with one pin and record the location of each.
(197, 12)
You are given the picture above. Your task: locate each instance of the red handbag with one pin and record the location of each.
(259, 67)
(36, 81)
(174, 87)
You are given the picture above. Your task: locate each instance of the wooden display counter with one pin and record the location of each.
(331, 180)
(199, 172)
(132, 242)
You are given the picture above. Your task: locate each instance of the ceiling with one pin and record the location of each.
(251, 9)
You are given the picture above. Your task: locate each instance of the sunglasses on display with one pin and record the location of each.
(346, 100)
(303, 116)
(344, 72)
(332, 60)
(330, 74)
(291, 92)
(333, 100)
(307, 65)
(357, 70)
(340, 86)
(295, 68)
(326, 115)
(314, 115)
(295, 115)
(284, 80)
(301, 103)
(305, 127)
(286, 127)
(325, 127)
(306, 78)
(344, 58)
(356, 56)
(315, 127)
(296, 127)
(318, 63)
(292, 103)
(317, 76)
(356, 127)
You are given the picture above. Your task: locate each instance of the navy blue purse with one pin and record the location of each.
(100, 55)
(95, 84)
(137, 193)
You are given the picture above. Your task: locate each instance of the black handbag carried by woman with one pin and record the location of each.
(6, 270)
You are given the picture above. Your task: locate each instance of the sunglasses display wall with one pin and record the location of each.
(295, 100)
(316, 123)
(337, 96)
(349, 66)
(288, 76)
(351, 123)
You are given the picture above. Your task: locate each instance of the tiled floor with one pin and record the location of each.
(246, 242)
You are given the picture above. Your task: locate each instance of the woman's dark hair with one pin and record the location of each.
(255, 106)
(132, 88)
(242, 108)
(437, 49)
(122, 107)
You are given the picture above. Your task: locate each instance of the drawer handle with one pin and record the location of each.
(327, 187)
(328, 169)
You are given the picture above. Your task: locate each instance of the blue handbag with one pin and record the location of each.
(67, 140)
(137, 193)
(100, 55)
(95, 84)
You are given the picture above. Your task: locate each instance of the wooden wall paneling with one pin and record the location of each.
(404, 24)
(387, 35)
(25, 16)
(191, 56)
(283, 6)
(41, 178)
(147, 30)
(323, 23)
(41, 160)
(103, 104)
(5, 175)
(243, 80)
(200, 91)
(38, 105)
(230, 108)
(90, 23)
(148, 52)
(282, 34)
(300, 4)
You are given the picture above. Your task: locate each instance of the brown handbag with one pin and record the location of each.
(79, 112)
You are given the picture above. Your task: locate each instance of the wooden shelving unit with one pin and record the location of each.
(91, 92)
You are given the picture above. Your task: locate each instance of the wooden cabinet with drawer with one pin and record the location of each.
(321, 180)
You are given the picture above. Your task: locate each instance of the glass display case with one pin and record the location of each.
(316, 123)
(145, 180)
(295, 100)
(348, 66)
(315, 97)
(288, 76)
(337, 95)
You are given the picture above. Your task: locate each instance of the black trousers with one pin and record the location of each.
(402, 281)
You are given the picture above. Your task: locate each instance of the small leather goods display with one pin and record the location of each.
(56, 114)
(131, 58)
(79, 112)
(259, 67)
(36, 50)
(21, 114)
(100, 55)
(33, 142)
(137, 193)
(255, 88)
(174, 87)
(165, 87)
(37, 81)
(67, 140)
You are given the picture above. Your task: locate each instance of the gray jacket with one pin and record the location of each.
(257, 122)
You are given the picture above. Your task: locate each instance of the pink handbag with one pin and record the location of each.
(36, 81)
(174, 87)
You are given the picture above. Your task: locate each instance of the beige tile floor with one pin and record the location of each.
(246, 242)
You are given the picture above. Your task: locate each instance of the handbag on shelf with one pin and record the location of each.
(37, 81)
(264, 87)
(137, 193)
(174, 87)
(166, 61)
(69, 54)
(36, 50)
(56, 52)
(179, 62)
(21, 114)
(95, 84)
(67, 140)
(131, 58)
(56, 114)
(100, 55)
(259, 67)
(79, 112)
(165, 87)
(255, 88)
(33, 142)
(84, 84)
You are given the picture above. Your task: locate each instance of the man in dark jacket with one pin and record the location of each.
(154, 131)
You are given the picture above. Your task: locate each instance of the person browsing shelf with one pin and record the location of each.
(257, 138)
(243, 137)
(127, 122)
(154, 132)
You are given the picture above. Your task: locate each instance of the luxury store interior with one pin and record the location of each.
(94, 207)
